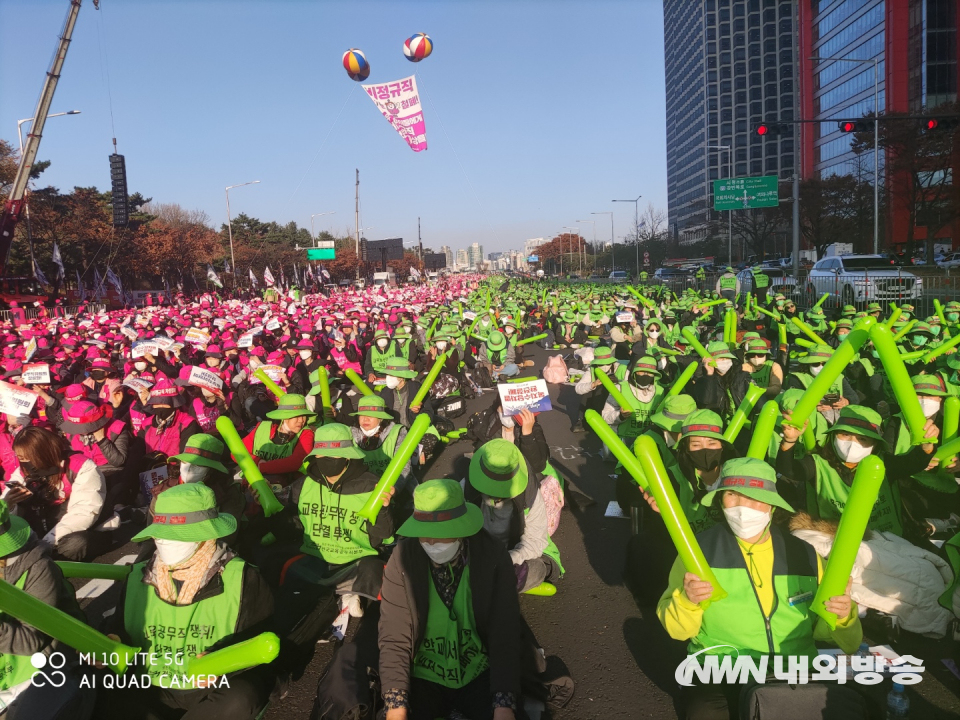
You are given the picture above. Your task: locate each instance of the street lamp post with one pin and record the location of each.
(729, 212)
(233, 262)
(570, 227)
(636, 224)
(613, 241)
(876, 136)
(594, 223)
(313, 235)
(21, 122)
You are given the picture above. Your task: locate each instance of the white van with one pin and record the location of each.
(384, 278)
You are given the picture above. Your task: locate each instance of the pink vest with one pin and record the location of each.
(341, 357)
(138, 420)
(206, 414)
(92, 451)
(168, 441)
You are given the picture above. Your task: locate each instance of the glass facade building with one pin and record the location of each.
(729, 65)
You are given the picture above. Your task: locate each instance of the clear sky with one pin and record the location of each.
(537, 113)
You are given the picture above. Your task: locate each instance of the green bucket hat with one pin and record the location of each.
(674, 412)
(702, 423)
(874, 307)
(372, 406)
(203, 449)
(922, 328)
(719, 349)
(815, 314)
(335, 440)
(496, 341)
(498, 469)
(14, 531)
(187, 513)
(818, 354)
(859, 420)
(751, 477)
(291, 405)
(929, 385)
(848, 311)
(439, 511)
(756, 347)
(603, 356)
(398, 367)
(646, 364)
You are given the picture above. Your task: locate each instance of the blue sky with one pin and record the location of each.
(537, 113)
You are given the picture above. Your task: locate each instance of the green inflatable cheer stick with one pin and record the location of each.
(809, 438)
(939, 310)
(938, 351)
(620, 451)
(541, 336)
(679, 384)
(774, 315)
(371, 508)
(807, 330)
(782, 330)
(841, 357)
(520, 380)
(324, 381)
(853, 523)
(357, 381)
(695, 344)
(259, 650)
(432, 328)
(673, 517)
(802, 342)
(99, 571)
(268, 501)
(613, 390)
(544, 589)
(262, 376)
(911, 356)
(763, 430)
(65, 628)
(951, 418)
(948, 450)
(904, 330)
(739, 418)
(820, 301)
(900, 380)
(429, 380)
(711, 303)
(895, 314)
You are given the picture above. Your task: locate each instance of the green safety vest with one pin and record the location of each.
(701, 273)
(15, 669)
(265, 449)
(738, 620)
(728, 282)
(402, 350)
(631, 427)
(806, 379)
(378, 360)
(939, 480)
(451, 653)
(378, 459)
(761, 375)
(761, 280)
(829, 497)
(332, 529)
(158, 628)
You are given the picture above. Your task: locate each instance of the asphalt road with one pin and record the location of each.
(620, 657)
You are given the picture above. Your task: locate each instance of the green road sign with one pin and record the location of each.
(323, 251)
(749, 192)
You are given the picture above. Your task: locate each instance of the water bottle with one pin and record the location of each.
(898, 704)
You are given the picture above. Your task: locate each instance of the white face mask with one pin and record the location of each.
(208, 394)
(654, 334)
(305, 354)
(723, 365)
(851, 451)
(393, 382)
(441, 345)
(440, 553)
(746, 522)
(757, 361)
(382, 343)
(190, 473)
(815, 369)
(140, 366)
(508, 331)
(930, 406)
(174, 552)
(507, 422)
(371, 432)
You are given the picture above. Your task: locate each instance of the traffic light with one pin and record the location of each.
(118, 179)
(851, 126)
(940, 123)
(774, 129)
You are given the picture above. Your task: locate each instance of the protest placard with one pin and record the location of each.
(532, 395)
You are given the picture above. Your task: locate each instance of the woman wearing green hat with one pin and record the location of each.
(723, 383)
(202, 461)
(822, 480)
(498, 357)
(279, 448)
(193, 595)
(643, 391)
(764, 372)
(770, 578)
(378, 353)
(378, 436)
(450, 626)
(25, 563)
(401, 388)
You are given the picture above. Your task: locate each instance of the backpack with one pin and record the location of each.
(450, 407)
(444, 386)
(555, 371)
(482, 377)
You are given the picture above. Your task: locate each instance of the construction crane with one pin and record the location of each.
(15, 202)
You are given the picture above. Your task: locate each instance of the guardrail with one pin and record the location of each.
(32, 313)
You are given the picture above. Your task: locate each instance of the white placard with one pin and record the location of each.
(146, 347)
(138, 385)
(16, 401)
(196, 336)
(625, 317)
(203, 378)
(532, 395)
(245, 340)
(272, 324)
(36, 374)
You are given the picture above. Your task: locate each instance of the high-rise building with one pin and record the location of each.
(530, 246)
(474, 255)
(462, 261)
(729, 65)
(915, 45)
(445, 249)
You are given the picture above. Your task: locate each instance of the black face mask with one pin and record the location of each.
(642, 380)
(163, 413)
(705, 460)
(327, 466)
(98, 374)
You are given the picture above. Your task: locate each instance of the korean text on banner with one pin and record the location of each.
(15, 400)
(274, 372)
(625, 317)
(147, 347)
(36, 374)
(138, 385)
(532, 395)
(399, 101)
(196, 336)
(203, 378)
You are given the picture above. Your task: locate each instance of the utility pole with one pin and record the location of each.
(796, 227)
(357, 218)
(420, 241)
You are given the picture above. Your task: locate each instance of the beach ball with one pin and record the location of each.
(417, 47)
(356, 65)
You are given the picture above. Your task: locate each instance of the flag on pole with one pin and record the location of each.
(38, 273)
(58, 261)
(226, 267)
(323, 270)
(414, 272)
(309, 273)
(253, 279)
(283, 279)
(296, 275)
(268, 278)
(112, 278)
(97, 285)
(81, 293)
(213, 277)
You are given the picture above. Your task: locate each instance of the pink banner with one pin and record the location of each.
(399, 102)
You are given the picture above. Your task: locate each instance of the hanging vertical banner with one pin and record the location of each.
(399, 102)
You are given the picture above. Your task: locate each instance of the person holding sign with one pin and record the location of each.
(191, 596)
(770, 578)
(723, 384)
(443, 568)
(280, 444)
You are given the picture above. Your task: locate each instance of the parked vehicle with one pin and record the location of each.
(674, 279)
(620, 275)
(852, 279)
(951, 260)
(385, 278)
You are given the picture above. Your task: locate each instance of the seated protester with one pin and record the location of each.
(280, 448)
(204, 404)
(257, 404)
(60, 494)
(821, 481)
(308, 362)
(511, 332)
(592, 393)
(497, 357)
(764, 372)
(345, 355)
(9, 427)
(644, 394)
(171, 425)
(322, 510)
(651, 338)
(746, 551)
(342, 403)
(202, 462)
(26, 564)
(443, 343)
(513, 510)
(840, 394)
(404, 346)
(485, 325)
(449, 585)
(380, 351)
(100, 369)
(568, 330)
(723, 384)
(93, 433)
(624, 334)
(377, 436)
(401, 389)
(191, 580)
(522, 429)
